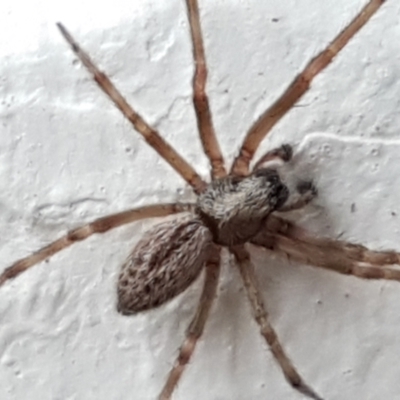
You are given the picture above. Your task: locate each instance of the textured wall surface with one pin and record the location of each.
(67, 156)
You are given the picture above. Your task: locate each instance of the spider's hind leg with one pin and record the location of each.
(100, 225)
(196, 327)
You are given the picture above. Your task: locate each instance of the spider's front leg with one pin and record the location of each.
(282, 236)
(297, 88)
(346, 258)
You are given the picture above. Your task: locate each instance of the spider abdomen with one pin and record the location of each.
(234, 208)
(165, 262)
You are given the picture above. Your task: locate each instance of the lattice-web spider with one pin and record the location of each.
(233, 209)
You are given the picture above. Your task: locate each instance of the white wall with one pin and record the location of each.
(67, 156)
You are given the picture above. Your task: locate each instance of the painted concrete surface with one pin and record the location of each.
(67, 156)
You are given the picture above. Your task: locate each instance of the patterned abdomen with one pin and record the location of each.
(163, 264)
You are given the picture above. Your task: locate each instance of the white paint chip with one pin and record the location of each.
(67, 156)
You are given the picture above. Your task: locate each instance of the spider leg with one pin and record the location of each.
(247, 273)
(345, 258)
(200, 100)
(283, 153)
(355, 252)
(196, 327)
(99, 225)
(297, 88)
(151, 136)
(339, 259)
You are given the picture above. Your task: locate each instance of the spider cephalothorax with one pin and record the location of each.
(234, 208)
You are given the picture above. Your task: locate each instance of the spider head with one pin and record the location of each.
(234, 208)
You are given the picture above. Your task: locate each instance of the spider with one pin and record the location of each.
(237, 207)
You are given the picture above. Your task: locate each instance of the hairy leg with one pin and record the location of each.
(200, 99)
(297, 88)
(247, 273)
(196, 327)
(99, 225)
(343, 257)
(356, 252)
(151, 136)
